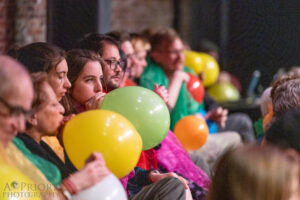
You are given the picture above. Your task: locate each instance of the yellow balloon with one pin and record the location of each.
(15, 185)
(106, 132)
(194, 61)
(210, 70)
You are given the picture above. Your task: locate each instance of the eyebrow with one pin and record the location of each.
(111, 58)
(61, 72)
(89, 76)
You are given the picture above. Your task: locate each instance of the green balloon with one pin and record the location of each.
(144, 109)
(222, 92)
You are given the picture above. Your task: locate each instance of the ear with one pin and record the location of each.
(32, 120)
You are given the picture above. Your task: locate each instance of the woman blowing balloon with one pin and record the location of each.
(86, 93)
(45, 121)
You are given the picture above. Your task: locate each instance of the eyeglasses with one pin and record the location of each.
(15, 111)
(173, 52)
(113, 64)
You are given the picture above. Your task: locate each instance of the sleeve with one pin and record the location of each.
(140, 180)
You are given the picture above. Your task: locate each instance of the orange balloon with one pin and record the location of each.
(192, 132)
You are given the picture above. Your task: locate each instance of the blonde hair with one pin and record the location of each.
(140, 44)
(254, 172)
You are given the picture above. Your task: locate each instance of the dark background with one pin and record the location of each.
(252, 34)
(258, 34)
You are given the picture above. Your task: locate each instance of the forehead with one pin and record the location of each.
(110, 51)
(62, 66)
(20, 93)
(175, 44)
(92, 68)
(127, 47)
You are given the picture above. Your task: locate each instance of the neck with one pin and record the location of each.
(169, 73)
(79, 108)
(35, 135)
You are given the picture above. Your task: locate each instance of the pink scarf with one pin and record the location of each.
(173, 157)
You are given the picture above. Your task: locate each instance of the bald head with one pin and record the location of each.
(12, 73)
(16, 93)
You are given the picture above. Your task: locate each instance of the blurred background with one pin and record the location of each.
(252, 35)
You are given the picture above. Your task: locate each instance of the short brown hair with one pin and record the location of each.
(285, 94)
(164, 36)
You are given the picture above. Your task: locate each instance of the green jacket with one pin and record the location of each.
(185, 105)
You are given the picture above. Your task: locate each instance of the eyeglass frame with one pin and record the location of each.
(15, 111)
(117, 63)
(178, 51)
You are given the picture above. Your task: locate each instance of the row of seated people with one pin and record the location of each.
(65, 84)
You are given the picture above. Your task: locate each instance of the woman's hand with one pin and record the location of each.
(162, 92)
(95, 101)
(93, 172)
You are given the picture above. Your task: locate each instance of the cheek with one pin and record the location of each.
(107, 72)
(56, 85)
(4, 123)
(83, 93)
(50, 121)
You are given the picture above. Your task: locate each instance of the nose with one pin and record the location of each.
(67, 83)
(98, 86)
(118, 68)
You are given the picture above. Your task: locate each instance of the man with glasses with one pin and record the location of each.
(109, 50)
(126, 46)
(16, 95)
(166, 67)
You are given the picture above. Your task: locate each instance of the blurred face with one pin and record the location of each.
(141, 63)
(13, 108)
(57, 78)
(113, 73)
(49, 118)
(170, 57)
(88, 83)
(129, 51)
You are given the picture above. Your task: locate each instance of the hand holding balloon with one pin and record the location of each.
(162, 92)
(93, 172)
(106, 132)
(95, 101)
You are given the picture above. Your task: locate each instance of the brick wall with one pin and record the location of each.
(136, 15)
(31, 21)
(6, 24)
(22, 22)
